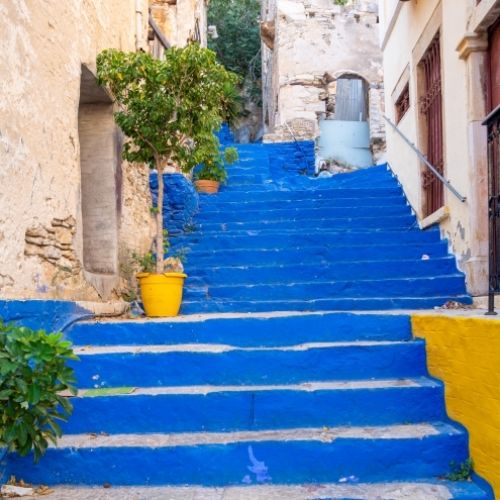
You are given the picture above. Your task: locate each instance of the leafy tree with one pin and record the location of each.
(33, 373)
(168, 109)
(238, 42)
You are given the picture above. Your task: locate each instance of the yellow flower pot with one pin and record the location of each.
(161, 293)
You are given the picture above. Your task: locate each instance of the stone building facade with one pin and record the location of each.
(71, 211)
(454, 99)
(181, 20)
(308, 46)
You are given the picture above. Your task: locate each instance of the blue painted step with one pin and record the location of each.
(279, 273)
(246, 331)
(319, 255)
(240, 366)
(284, 238)
(212, 204)
(207, 305)
(403, 223)
(270, 192)
(217, 409)
(299, 213)
(229, 461)
(304, 290)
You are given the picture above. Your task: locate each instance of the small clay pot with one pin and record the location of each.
(209, 187)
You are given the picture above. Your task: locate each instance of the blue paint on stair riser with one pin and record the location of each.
(290, 462)
(214, 204)
(349, 304)
(239, 367)
(247, 332)
(306, 273)
(319, 255)
(403, 222)
(256, 410)
(299, 213)
(303, 291)
(352, 244)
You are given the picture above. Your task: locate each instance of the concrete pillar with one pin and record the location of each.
(473, 50)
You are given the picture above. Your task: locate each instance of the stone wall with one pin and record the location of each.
(43, 54)
(307, 46)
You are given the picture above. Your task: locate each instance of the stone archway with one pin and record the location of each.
(345, 129)
(100, 166)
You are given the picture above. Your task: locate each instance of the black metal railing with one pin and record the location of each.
(493, 123)
(158, 43)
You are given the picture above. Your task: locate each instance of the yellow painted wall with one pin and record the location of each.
(465, 354)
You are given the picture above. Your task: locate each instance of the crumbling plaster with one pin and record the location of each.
(177, 19)
(315, 42)
(43, 47)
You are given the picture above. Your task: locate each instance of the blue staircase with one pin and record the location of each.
(274, 240)
(327, 401)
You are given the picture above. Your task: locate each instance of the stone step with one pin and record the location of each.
(367, 303)
(219, 364)
(199, 256)
(300, 213)
(250, 274)
(238, 408)
(265, 330)
(315, 289)
(215, 204)
(423, 489)
(274, 240)
(271, 192)
(401, 222)
(293, 456)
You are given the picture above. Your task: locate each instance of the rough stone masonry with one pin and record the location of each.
(307, 46)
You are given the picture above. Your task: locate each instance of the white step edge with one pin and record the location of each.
(219, 348)
(324, 434)
(304, 387)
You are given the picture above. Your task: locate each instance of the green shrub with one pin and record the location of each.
(33, 373)
(214, 169)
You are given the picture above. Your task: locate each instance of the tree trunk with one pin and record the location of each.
(159, 220)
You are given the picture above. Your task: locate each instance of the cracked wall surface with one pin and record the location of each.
(42, 49)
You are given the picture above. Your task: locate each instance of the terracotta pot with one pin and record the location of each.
(209, 187)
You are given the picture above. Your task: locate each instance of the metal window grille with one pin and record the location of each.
(403, 103)
(432, 109)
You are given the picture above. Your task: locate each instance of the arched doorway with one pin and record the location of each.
(345, 131)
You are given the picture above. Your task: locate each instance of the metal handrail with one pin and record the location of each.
(422, 157)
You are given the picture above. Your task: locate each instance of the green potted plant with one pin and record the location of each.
(213, 171)
(33, 375)
(169, 110)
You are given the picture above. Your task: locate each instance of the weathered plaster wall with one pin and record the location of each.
(307, 46)
(42, 49)
(408, 30)
(465, 354)
(177, 19)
